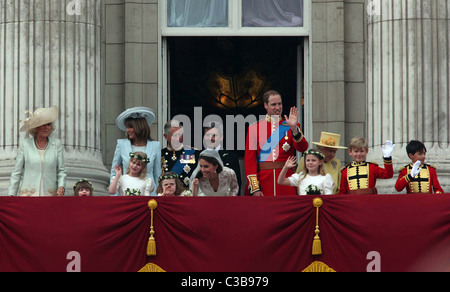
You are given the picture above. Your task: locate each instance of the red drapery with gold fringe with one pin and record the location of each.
(244, 234)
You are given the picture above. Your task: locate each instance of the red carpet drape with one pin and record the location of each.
(243, 234)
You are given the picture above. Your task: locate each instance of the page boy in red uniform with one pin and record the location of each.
(360, 177)
(418, 177)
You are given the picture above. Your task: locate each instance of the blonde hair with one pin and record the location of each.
(358, 143)
(143, 172)
(321, 169)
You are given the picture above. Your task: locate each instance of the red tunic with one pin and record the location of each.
(425, 182)
(270, 142)
(357, 176)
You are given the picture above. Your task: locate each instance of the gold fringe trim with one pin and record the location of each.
(317, 244)
(151, 246)
(151, 268)
(318, 267)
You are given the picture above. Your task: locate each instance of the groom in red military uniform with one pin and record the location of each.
(270, 142)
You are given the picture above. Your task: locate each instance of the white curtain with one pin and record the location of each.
(197, 13)
(272, 13)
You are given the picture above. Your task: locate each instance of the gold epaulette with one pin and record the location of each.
(346, 166)
(430, 165)
(193, 148)
(402, 168)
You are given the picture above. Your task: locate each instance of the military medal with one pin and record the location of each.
(187, 159)
(187, 169)
(286, 147)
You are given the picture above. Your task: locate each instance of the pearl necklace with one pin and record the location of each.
(40, 148)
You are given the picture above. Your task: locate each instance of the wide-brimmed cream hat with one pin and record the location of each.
(330, 140)
(135, 113)
(40, 117)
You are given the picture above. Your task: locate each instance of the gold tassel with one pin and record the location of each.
(151, 246)
(317, 244)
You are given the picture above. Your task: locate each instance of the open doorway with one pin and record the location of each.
(228, 75)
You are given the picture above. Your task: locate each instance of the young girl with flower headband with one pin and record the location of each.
(314, 181)
(135, 181)
(170, 185)
(83, 188)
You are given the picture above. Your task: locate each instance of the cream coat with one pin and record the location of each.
(26, 177)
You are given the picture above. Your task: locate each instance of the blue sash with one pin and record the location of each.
(272, 142)
(178, 166)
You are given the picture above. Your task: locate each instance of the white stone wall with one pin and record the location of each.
(50, 56)
(130, 64)
(408, 82)
(338, 65)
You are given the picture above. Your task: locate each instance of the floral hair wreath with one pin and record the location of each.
(167, 176)
(315, 153)
(139, 157)
(80, 181)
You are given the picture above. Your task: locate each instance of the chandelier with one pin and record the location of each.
(241, 91)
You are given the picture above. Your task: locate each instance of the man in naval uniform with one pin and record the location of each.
(176, 157)
(270, 142)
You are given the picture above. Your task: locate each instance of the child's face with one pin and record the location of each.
(418, 156)
(312, 163)
(84, 192)
(358, 154)
(169, 186)
(135, 167)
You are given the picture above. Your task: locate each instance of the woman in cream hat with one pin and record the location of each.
(39, 169)
(136, 123)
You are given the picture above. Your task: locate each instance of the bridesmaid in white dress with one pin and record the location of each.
(314, 181)
(212, 178)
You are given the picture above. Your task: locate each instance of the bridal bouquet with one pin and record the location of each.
(132, 192)
(313, 190)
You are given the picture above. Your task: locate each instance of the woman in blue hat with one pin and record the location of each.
(136, 123)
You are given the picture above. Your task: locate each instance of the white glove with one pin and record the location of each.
(416, 169)
(387, 149)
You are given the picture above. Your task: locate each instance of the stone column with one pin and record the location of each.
(408, 82)
(50, 55)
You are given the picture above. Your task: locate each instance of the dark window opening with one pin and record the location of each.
(229, 75)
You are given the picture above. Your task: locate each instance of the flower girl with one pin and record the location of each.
(134, 182)
(169, 185)
(314, 181)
